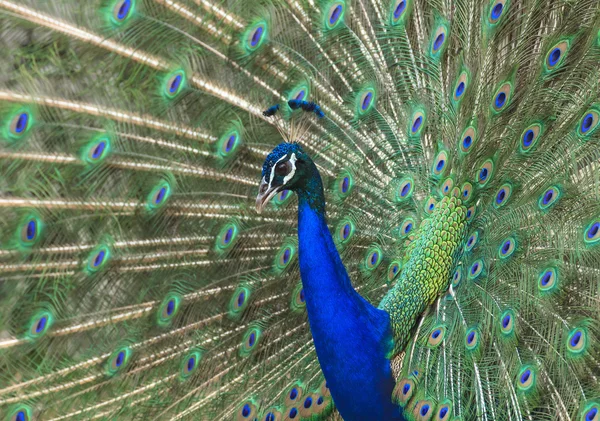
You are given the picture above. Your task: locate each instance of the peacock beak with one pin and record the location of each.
(265, 193)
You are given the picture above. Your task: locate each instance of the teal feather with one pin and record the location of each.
(137, 280)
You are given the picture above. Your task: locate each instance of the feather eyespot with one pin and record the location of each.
(456, 278)
(507, 248)
(472, 241)
(19, 124)
(467, 140)
(472, 339)
(21, 413)
(393, 270)
(438, 40)
(168, 309)
(423, 410)
(444, 411)
(526, 378)
(174, 84)
(405, 189)
(366, 100)
(247, 411)
(344, 231)
(476, 269)
(439, 163)
(227, 236)
(122, 10)
(345, 183)
(404, 390)
(255, 36)
(548, 280)
(485, 172)
(529, 137)
(373, 258)
(334, 14)
(589, 122)
(250, 341)
(556, 55)
(97, 150)
(507, 322)
(40, 324)
(591, 412)
(416, 124)
(460, 86)
(285, 256)
(190, 364)
(29, 231)
(592, 233)
(470, 213)
(430, 205)
(398, 11)
(98, 258)
(502, 196)
(228, 144)
(466, 192)
(436, 336)
(118, 360)
(549, 197)
(502, 97)
(496, 11)
(577, 341)
(446, 187)
(158, 196)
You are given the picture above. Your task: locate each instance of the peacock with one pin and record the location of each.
(268, 210)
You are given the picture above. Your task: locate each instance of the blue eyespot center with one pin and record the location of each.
(175, 84)
(591, 414)
(501, 195)
(586, 124)
(99, 258)
(460, 89)
(506, 247)
(443, 412)
(576, 338)
(548, 196)
(41, 324)
(424, 410)
(474, 268)
(431, 206)
(345, 184)
(546, 278)
(22, 123)
(554, 57)
(406, 389)
(191, 363)
(124, 10)
(300, 95)
(467, 142)
(500, 99)
(256, 36)
(120, 359)
(407, 228)
(320, 400)
(335, 14)
(308, 402)
(440, 165)
(417, 124)
(436, 333)
(405, 190)
(20, 416)
(161, 195)
(302, 295)
(346, 231)
(497, 11)
(293, 413)
(241, 298)
(286, 255)
(525, 376)
(528, 138)
(438, 42)
(506, 321)
(374, 257)
(228, 236)
(483, 174)
(246, 411)
(270, 417)
(97, 153)
(252, 339)
(31, 229)
(367, 101)
(399, 9)
(593, 231)
(170, 307)
(293, 393)
(471, 337)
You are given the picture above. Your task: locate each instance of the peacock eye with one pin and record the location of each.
(283, 168)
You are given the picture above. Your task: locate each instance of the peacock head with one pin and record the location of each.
(285, 168)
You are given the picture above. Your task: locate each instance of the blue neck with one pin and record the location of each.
(352, 338)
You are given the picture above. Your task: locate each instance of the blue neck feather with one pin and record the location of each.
(352, 338)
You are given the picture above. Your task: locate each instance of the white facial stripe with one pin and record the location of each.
(292, 172)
